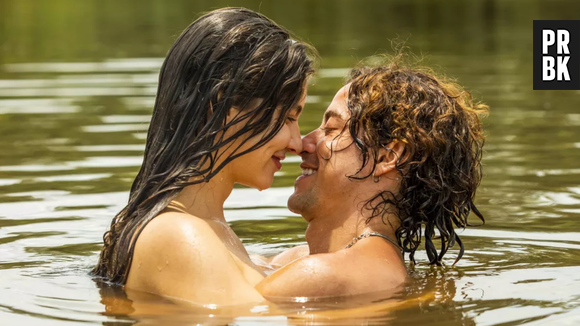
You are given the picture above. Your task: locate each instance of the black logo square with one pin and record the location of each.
(556, 54)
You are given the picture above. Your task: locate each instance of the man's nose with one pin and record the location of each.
(309, 142)
(295, 145)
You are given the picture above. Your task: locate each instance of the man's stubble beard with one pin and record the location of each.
(304, 203)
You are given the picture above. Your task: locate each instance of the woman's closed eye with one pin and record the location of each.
(291, 119)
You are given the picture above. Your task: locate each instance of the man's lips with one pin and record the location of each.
(308, 165)
(307, 170)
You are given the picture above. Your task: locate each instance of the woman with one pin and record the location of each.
(230, 92)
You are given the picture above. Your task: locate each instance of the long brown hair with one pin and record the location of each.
(440, 167)
(226, 58)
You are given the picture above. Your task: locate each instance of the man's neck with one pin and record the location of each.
(326, 234)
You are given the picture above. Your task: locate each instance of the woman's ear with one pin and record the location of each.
(241, 112)
(388, 157)
(233, 112)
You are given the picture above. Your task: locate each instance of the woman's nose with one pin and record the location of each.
(295, 145)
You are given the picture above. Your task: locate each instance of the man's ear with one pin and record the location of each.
(388, 157)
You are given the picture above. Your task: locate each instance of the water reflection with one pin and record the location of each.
(429, 292)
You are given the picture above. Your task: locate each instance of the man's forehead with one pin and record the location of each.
(338, 107)
(342, 93)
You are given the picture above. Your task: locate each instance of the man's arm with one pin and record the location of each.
(289, 256)
(310, 276)
(269, 264)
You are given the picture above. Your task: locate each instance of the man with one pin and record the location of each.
(398, 150)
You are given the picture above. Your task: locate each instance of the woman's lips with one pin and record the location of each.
(277, 162)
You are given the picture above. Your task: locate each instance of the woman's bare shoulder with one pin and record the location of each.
(176, 230)
(179, 255)
(172, 245)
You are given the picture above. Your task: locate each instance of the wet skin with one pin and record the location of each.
(331, 203)
(189, 251)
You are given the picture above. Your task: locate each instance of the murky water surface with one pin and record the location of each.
(77, 86)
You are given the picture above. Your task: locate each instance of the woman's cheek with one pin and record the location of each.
(278, 140)
(283, 137)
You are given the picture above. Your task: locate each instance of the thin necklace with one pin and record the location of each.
(374, 234)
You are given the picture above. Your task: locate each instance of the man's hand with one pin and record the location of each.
(263, 263)
(270, 264)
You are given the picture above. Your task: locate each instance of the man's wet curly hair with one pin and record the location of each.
(440, 166)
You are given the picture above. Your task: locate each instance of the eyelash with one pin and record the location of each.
(327, 130)
(291, 119)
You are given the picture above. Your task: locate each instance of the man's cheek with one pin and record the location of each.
(323, 148)
(328, 146)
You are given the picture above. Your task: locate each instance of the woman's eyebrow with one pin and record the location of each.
(298, 109)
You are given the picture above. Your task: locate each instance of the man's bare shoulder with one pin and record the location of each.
(310, 276)
(342, 273)
(290, 255)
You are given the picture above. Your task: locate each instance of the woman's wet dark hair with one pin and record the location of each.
(226, 58)
(440, 167)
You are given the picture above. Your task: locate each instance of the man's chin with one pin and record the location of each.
(298, 202)
(301, 202)
(293, 204)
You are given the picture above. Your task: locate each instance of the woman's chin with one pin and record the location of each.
(260, 184)
(266, 184)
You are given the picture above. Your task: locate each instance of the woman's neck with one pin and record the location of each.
(205, 200)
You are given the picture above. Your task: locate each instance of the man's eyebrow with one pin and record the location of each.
(331, 113)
